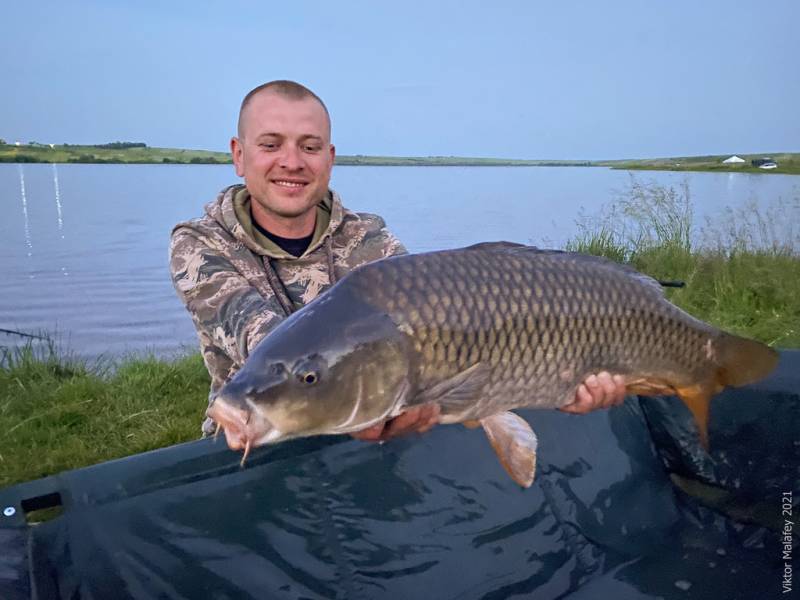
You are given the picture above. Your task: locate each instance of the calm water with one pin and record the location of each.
(83, 248)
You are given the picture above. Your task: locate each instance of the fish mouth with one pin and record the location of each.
(244, 427)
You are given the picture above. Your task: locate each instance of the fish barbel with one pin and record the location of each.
(479, 331)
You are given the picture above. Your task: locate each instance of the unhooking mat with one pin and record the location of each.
(625, 506)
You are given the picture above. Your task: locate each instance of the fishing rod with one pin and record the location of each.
(22, 334)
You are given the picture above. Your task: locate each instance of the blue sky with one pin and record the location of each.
(508, 79)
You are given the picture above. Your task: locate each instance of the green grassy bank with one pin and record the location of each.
(788, 163)
(116, 152)
(741, 269)
(743, 275)
(57, 413)
(139, 153)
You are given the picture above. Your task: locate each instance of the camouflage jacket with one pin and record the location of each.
(236, 290)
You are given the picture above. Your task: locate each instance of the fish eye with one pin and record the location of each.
(309, 377)
(309, 370)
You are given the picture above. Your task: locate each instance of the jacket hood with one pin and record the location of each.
(223, 211)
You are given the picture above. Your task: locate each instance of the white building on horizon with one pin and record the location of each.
(733, 160)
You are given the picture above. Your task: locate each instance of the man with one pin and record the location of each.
(266, 248)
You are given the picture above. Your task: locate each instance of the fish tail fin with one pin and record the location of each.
(743, 361)
(515, 444)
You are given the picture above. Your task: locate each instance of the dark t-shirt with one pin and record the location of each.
(294, 246)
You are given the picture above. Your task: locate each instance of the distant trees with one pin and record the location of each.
(121, 145)
(19, 158)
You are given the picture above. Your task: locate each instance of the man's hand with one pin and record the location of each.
(597, 391)
(418, 419)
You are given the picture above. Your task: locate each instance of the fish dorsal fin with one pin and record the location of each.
(515, 444)
(459, 391)
(654, 284)
(495, 246)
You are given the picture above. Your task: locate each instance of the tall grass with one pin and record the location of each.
(57, 412)
(742, 268)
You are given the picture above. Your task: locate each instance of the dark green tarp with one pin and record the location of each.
(433, 516)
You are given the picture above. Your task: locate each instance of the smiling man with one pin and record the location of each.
(266, 248)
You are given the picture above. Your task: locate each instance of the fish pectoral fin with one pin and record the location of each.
(515, 444)
(458, 392)
(698, 398)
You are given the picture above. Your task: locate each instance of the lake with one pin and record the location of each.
(84, 248)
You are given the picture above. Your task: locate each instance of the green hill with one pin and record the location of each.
(139, 153)
(788, 163)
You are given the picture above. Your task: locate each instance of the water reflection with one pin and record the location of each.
(118, 296)
(28, 242)
(58, 201)
(59, 212)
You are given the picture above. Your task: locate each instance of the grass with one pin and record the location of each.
(59, 413)
(69, 153)
(742, 273)
(742, 269)
(788, 163)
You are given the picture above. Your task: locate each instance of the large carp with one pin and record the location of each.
(478, 331)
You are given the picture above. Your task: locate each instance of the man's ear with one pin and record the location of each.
(236, 155)
(333, 153)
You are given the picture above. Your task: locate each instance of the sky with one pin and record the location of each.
(528, 79)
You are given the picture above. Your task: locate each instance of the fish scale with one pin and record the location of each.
(477, 331)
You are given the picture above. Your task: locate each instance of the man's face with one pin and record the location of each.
(284, 154)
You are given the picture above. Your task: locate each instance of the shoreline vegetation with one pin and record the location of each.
(742, 274)
(140, 153)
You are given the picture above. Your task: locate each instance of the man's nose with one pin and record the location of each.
(291, 159)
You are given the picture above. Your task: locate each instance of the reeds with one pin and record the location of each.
(741, 268)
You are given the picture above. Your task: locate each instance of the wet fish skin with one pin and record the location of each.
(480, 331)
(544, 320)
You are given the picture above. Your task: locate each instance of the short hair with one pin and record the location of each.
(283, 87)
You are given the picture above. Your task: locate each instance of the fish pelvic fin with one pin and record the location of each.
(743, 361)
(515, 444)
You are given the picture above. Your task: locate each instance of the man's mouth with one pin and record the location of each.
(288, 183)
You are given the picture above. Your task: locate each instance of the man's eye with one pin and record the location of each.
(269, 146)
(311, 148)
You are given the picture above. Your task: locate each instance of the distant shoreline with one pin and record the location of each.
(138, 153)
